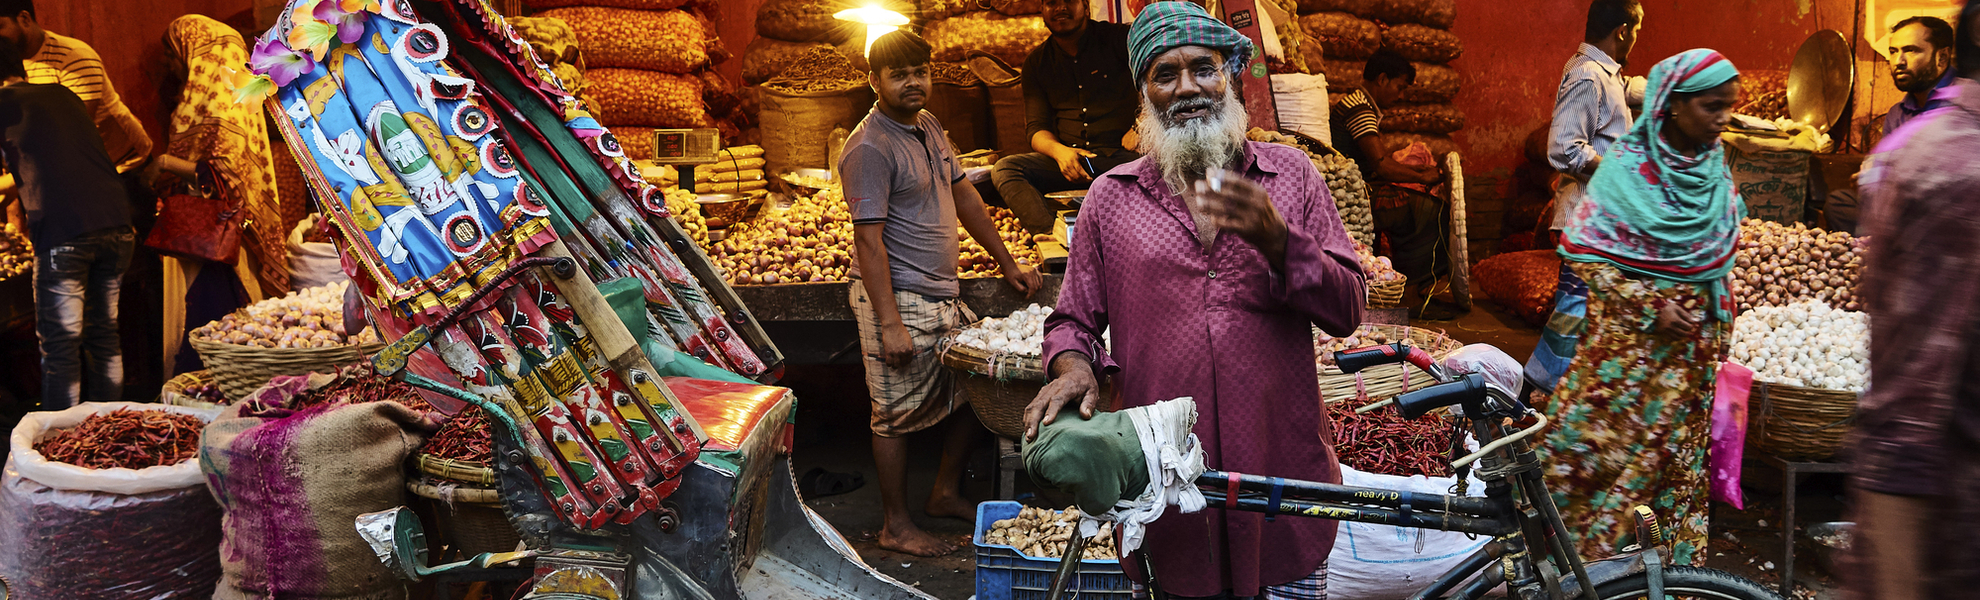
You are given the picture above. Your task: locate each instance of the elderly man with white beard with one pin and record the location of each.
(1211, 259)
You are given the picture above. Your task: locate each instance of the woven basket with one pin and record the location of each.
(996, 386)
(173, 392)
(454, 470)
(1387, 380)
(1386, 294)
(1798, 423)
(240, 370)
(471, 521)
(1018, 367)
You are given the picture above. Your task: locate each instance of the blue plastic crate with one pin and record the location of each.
(1003, 573)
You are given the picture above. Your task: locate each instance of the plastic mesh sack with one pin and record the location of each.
(648, 98)
(669, 41)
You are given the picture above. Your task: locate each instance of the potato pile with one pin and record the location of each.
(974, 261)
(1766, 92)
(1778, 265)
(311, 318)
(1770, 106)
(1350, 196)
(16, 254)
(810, 242)
(1044, 533)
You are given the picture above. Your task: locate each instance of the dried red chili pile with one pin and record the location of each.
(1382, 441)
(358, 386)
(464, 438)
(130, 439)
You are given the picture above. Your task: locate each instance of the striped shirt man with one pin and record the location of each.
(1356, 116)
(75, 65)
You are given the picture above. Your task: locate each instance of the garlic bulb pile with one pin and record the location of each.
(1807, 344)
(311, 318)
(1778, 265)
(1021, 333)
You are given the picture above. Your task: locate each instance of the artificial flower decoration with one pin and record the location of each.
(346, 15)
(249, 87)
(310, 34)
(282, 65)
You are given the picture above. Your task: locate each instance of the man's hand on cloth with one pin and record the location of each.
(1072, 380)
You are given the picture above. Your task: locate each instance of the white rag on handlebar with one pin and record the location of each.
(1175, 459)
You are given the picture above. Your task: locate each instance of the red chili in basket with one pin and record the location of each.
(1382, 441)
(464, 438)
(129, 439)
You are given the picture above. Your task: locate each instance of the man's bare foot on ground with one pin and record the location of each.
(950, 506)
(914, 541)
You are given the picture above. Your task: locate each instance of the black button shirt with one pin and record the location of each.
(1089, 100)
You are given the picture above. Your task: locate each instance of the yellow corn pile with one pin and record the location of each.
(648, 99)
(669, 41)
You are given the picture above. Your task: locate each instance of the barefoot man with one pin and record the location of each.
(907, 195)
(1211, 259)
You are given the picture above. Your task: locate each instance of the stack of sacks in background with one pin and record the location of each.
(648, 66)
(1298, 89)
(1006, 29)
(1351, 30)
(797, 118)
(555, 43)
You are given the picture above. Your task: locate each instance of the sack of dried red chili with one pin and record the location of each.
(68, 531)
(293, 482)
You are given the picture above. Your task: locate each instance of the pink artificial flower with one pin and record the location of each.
(282, 65)
(346, 15)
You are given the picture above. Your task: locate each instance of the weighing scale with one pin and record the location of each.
(686, 148)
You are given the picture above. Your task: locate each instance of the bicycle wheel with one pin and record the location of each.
(1688, 582)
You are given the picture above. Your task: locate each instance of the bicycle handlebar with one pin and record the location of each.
(1358, 359)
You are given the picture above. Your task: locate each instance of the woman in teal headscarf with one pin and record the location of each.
(1633, 414)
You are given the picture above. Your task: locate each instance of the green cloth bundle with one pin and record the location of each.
(1097, 460)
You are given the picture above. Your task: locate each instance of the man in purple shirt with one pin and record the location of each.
(1211, 259)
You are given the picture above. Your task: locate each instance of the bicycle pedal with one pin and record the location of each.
(1649, 531)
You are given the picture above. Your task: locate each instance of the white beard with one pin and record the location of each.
(1187, 150)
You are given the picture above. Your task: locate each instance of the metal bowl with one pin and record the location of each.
(727, 207)
(1820, 80)
(1832, 541)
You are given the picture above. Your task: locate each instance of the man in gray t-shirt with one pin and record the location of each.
(907, 196)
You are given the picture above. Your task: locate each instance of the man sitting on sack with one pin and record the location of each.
(1079, 113)
(1412, 220)
(1210, 260)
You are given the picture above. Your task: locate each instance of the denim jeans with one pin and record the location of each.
(75, 302)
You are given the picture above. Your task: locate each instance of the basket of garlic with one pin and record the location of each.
(998, 367)
(1810, 361)
(1385, 284)
(299, 333)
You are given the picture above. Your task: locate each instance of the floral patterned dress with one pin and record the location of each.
(1633, 416)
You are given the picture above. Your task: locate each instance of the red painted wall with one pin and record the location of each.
(130, 37)
(736, 24)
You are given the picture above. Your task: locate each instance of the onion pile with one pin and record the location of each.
(1377, 268)
(1021, 333)
(1777, 265)
(1807, 344)
(311, 318)
(974, 261)
(16, 255)
(810, 242)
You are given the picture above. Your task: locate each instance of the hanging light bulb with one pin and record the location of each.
(878, 22)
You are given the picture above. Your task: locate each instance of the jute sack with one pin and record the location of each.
(293, 484)
(796, 125)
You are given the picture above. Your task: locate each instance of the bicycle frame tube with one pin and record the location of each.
(1312, 491)
(1423, 519)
